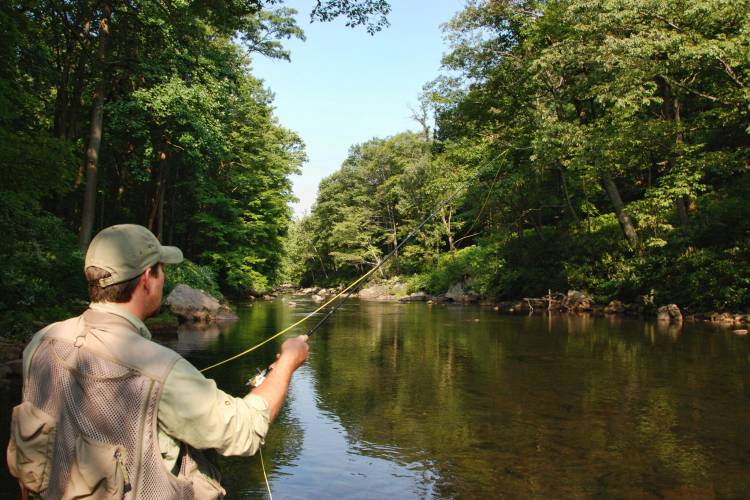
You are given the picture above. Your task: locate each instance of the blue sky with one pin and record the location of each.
(344, 87)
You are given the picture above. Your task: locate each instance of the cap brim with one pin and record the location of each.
(171, 255)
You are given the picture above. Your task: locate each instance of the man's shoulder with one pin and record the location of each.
(39, 336)
(148, 357)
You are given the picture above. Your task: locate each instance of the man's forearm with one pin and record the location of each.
(274, 387)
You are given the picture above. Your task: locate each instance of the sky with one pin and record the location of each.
(344, 86)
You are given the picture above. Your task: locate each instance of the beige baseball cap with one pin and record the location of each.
(126, 250)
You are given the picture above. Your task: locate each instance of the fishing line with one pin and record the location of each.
(486, 199)
(263, 466)
(350, 289)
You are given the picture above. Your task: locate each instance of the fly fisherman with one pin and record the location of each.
(108, 413)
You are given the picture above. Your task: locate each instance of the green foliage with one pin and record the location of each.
(604, 147)
(190, 145)
(42, 272)
(370, 13)
(194, 275)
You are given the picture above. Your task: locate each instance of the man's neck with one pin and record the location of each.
(135, 308)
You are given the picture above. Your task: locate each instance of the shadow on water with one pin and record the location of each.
(411, 400)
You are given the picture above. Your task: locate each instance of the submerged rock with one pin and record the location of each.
(193, 305)
(669, 313)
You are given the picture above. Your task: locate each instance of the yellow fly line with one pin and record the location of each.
(282, 332)
(331, 301)
(359, 280)
(263, 466)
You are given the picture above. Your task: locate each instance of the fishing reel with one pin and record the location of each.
(258, 378)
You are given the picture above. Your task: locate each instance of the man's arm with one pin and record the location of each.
(193, 410)
(274, 387)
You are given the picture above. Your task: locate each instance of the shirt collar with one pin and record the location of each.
(113, 308)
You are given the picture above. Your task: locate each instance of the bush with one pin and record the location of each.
(474, 265)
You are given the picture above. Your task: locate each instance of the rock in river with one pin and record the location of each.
(374, 292)
(416, 297)
(190, 304)
(669, 313)
(456, 293)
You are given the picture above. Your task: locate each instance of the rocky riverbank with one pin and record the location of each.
(573, 301)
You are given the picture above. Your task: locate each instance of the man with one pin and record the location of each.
(108, 413)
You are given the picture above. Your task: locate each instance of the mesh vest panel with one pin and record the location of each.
(106, 401)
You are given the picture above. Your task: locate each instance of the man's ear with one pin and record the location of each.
(144, 280)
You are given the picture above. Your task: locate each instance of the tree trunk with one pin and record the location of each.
(95, 136)
(61, 101)
(160, 214)
(625, 221)
(322, 264)
(156, 214)
(394, 228)
(683, 201)
(172, 207)
(448, 232)
(120, 191)
(74, 101)
(671, 111)
(566, 195)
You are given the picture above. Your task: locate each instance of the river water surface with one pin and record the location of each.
(420, 401)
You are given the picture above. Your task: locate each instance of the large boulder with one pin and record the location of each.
(669, 313)
(399, 289)
(455, 292)
(193, 305)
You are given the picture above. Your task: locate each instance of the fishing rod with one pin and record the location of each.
(260, 376)
(385, 259)
(256, 380)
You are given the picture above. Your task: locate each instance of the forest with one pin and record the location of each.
(591, 145)
(147, 112)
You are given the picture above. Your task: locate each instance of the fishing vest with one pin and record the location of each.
(87, 425)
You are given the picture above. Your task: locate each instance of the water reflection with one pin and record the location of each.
(418, 401)
(547, 406)
(198, 336)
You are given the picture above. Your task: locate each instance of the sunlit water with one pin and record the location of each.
(418, 401)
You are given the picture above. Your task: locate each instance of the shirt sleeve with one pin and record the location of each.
(193, 410)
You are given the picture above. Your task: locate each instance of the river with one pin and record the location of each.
(435, 401)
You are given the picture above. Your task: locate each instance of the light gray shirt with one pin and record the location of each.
(192, 408)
